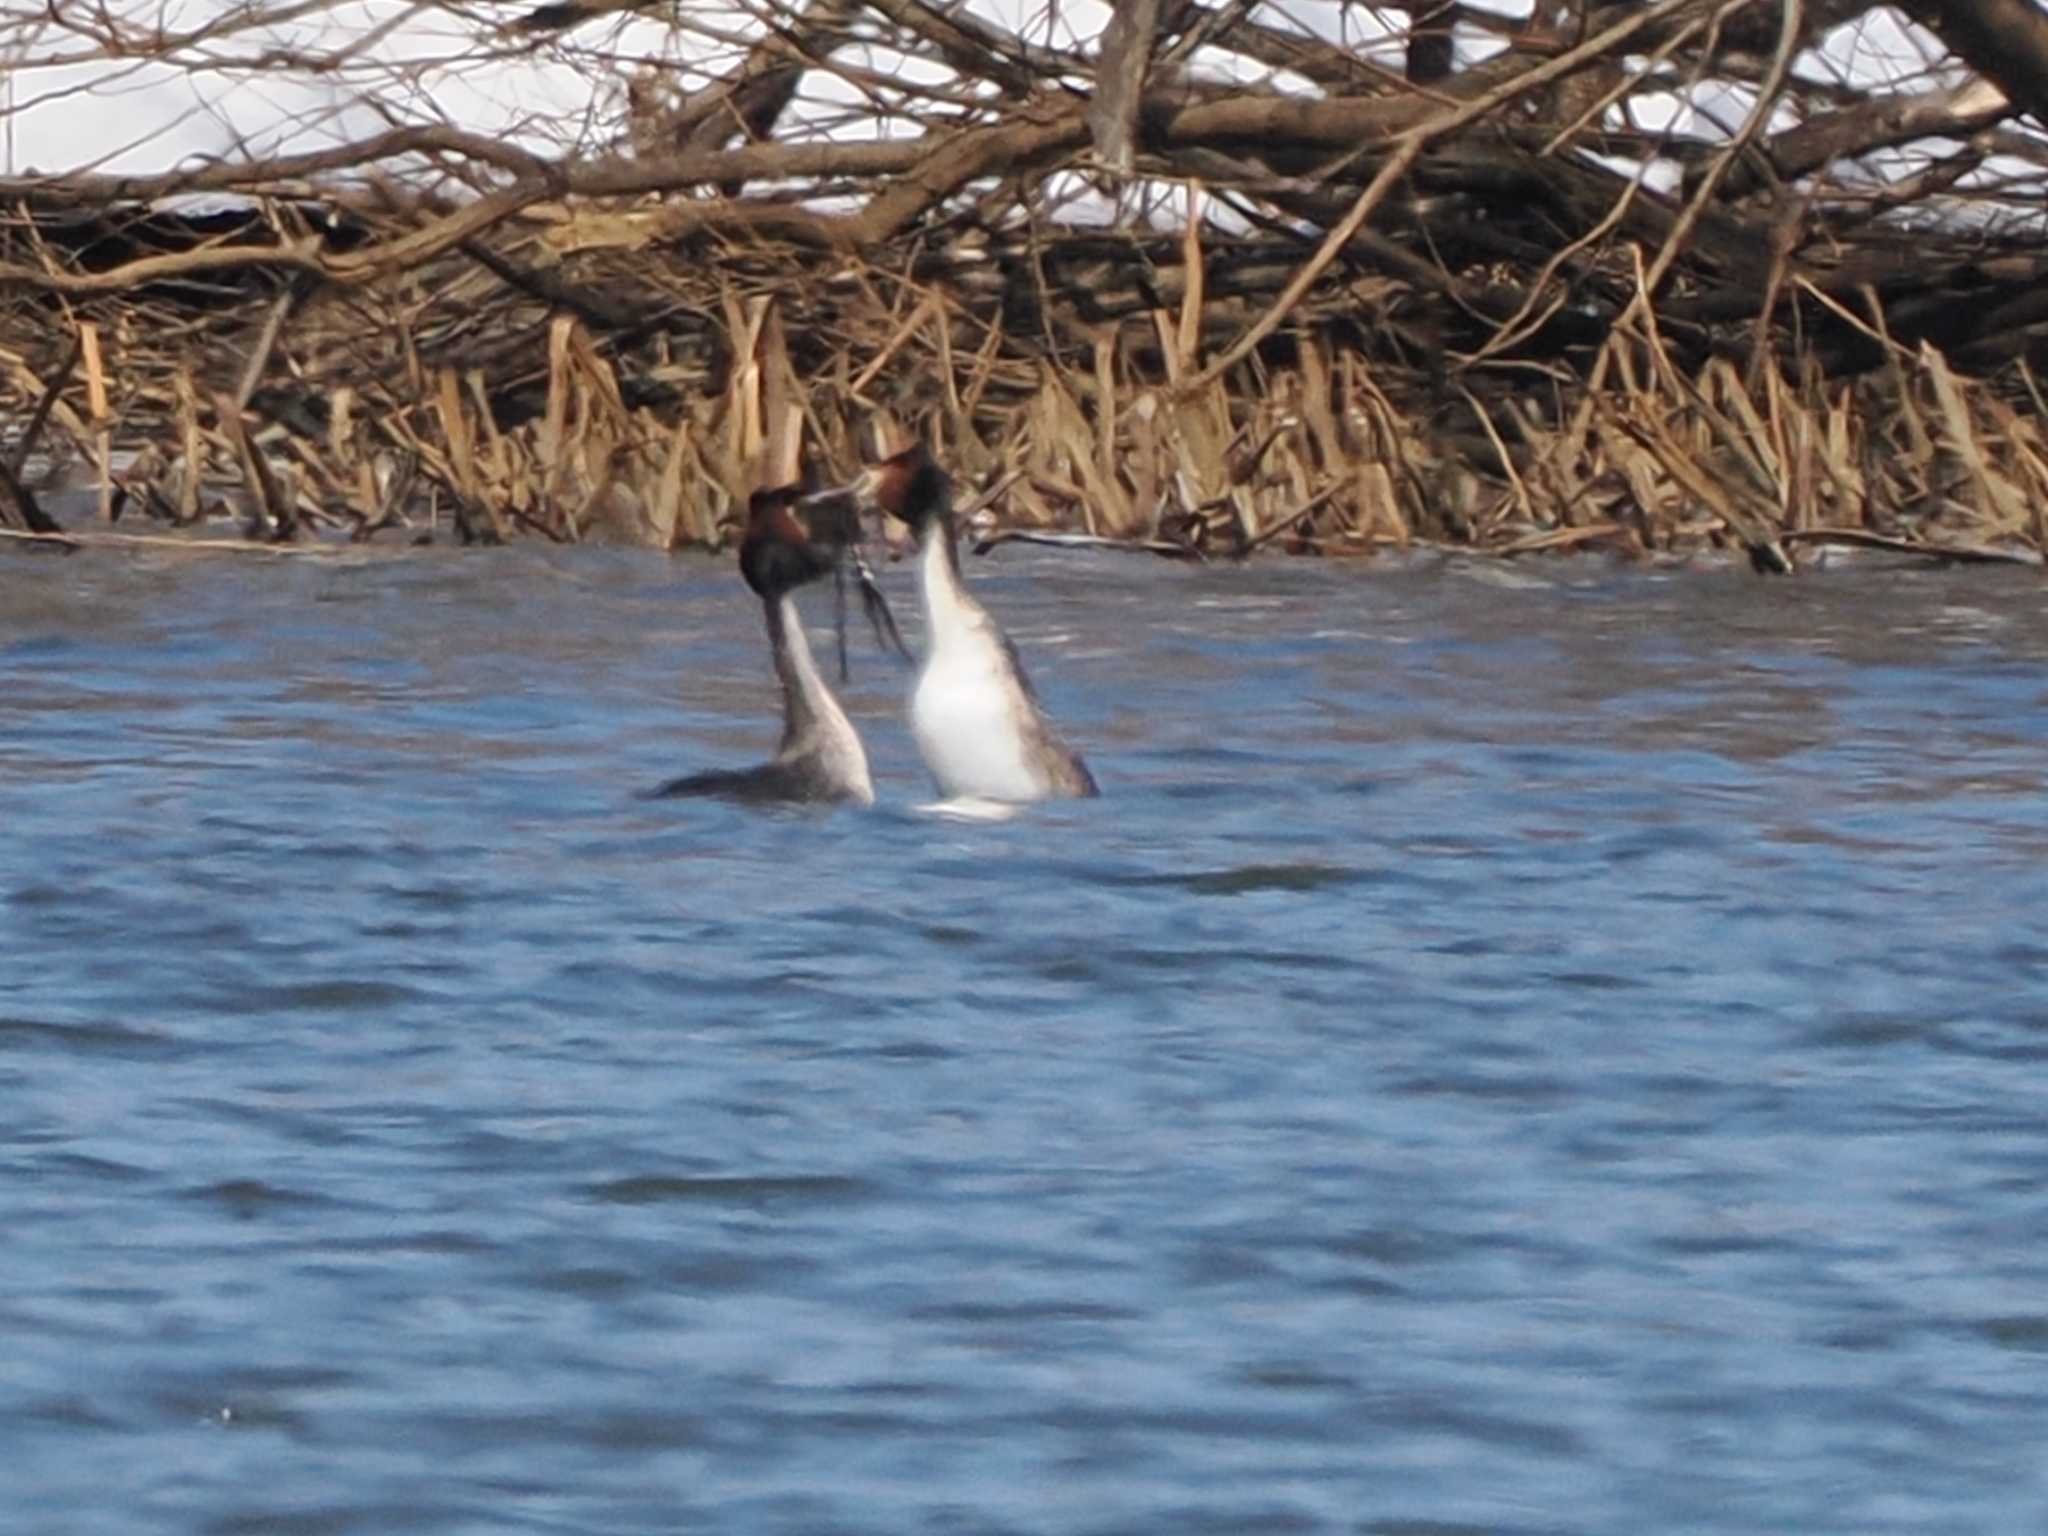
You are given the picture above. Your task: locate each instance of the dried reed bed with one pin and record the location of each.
(1374, 307)
(570, 386)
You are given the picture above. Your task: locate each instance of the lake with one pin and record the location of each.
(1545, 1048)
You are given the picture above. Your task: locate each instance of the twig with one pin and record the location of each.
(96, 540)
(1960, 554)
(1166, 547)
(52, 388)
(266, 341)
(34, 519)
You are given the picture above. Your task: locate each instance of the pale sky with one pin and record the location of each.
(138, 116)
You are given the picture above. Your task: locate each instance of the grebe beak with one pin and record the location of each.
(831, 496)
(842, 508)
(832, 518)
(857, 495)
(829, 517)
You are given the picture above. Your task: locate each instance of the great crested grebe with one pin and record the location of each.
(821, 758)
(976, 718)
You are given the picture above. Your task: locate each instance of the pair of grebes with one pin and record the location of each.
(977, 721)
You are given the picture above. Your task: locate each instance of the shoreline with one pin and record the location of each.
(1810, 551)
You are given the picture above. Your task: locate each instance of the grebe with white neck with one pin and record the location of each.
(821, 758)
(978, 722)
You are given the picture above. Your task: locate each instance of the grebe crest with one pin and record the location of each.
(788, 545)
(978, 721)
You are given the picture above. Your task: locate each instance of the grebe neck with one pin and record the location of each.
(807, 701)
(947, 605)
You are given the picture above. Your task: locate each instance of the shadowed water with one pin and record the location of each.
(1516, 1049)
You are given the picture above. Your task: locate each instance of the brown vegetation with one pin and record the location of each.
(1402, 300)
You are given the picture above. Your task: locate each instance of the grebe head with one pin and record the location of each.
(794, 537)
(909, 486)
(789, 543)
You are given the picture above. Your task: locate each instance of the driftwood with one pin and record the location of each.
(1422, 300)
(1165, 547)
(1919, 549)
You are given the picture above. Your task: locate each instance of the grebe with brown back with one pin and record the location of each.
(978, 721)
(820, 758)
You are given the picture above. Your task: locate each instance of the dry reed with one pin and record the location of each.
(1419, 311)
(1315, 445)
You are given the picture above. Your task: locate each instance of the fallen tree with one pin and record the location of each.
(1650, 276)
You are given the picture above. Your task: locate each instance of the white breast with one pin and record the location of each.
(964, 715)
(817, 737)
(842, 763)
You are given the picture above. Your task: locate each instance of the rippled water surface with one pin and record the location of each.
(1517, 1049)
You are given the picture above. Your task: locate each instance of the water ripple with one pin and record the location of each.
(1539, 1051)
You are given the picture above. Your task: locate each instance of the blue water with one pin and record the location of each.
(1516, 1049)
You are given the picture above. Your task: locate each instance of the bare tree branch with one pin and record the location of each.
(1120, 80)
(1456, 243)
(2005, 41)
